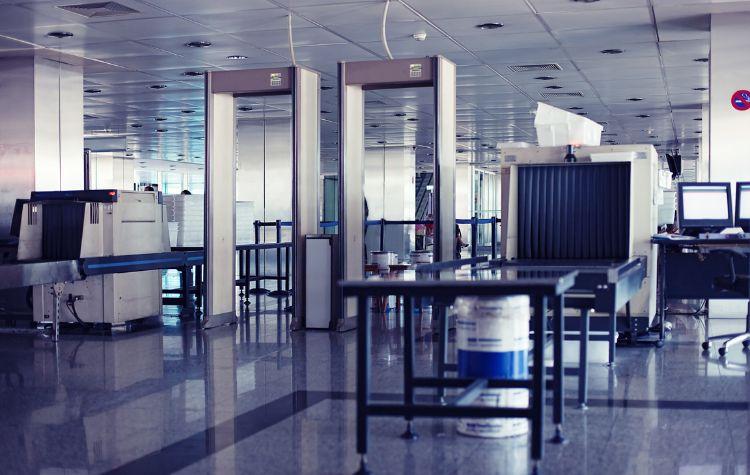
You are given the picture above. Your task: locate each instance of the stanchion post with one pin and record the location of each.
(257, 256)
(493, 236)
(474, 234)
(382, 234)
(278, 255)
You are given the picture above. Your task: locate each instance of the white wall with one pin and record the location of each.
(730, 71)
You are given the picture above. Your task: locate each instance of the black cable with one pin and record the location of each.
(71, 304)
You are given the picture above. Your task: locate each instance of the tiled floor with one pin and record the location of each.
(254, 398)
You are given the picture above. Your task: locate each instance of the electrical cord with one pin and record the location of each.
(382, 30)
(71, 304)
(291, 40)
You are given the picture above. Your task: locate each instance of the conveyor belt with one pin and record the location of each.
(24, 274)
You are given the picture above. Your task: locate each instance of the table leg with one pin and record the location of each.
(409, 434)
(559, 375)
(363, 380)
(663, 297)
(442, 347)
(199, 286)
(583, 361)
(612, 337)
(539, 380)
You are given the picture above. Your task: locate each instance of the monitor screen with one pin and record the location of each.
(743, 201)
(705, 202)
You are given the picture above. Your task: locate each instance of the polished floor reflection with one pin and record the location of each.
(255, 398)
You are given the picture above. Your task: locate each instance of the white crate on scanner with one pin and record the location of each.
(185, 220)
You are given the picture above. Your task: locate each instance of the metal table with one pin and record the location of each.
(444, 287)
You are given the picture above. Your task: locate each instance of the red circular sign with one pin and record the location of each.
(741, 100)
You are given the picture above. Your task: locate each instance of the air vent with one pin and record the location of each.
(99, 10)
(527, 68)
(553, 95)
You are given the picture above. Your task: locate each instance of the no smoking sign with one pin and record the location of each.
(741, 100)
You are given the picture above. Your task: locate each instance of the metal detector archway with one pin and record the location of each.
(355, 78)
(222, 87)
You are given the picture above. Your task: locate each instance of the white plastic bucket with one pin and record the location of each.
(492, 337)
(383, 259)
(421, 257)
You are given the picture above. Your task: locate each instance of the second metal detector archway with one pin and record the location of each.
(355, 78)
(222, 87)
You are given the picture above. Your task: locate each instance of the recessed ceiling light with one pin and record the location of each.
(92, 91)
(612, 51)
(701, 60)
(700, 89)
(493, 25)
(136, 126)
(643, 116)
(60, 34)
(187, 111)
(160, 119)
(553, 87)
(198, 44)
(192, 74)
(161, 130)
(545, 78)
(236, 56)
(575, 108)
(244, 108)
(635, 99)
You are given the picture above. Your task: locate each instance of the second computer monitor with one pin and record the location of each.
(704, 206)
(742, 210)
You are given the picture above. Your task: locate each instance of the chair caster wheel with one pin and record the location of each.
(722, 351)
(706, 345)
(746, 343)
(659, 343)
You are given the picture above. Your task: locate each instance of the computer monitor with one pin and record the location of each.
(742, 209)
(704, 207)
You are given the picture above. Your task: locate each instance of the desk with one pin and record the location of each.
(693, 268)
(444, 287)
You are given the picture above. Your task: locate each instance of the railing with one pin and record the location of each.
(474, 222)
